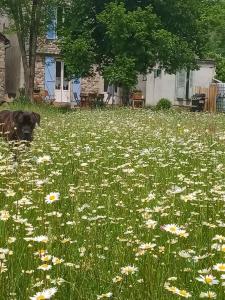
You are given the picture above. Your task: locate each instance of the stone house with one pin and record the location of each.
(4, 42)
(50, 76)
(49, 70)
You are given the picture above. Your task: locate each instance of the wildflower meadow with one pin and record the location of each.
(114, 204)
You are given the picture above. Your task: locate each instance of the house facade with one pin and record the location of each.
(4, 42)
(179, 87)
(50, 76)
(50, 73)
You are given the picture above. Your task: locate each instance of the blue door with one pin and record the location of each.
(50, 76)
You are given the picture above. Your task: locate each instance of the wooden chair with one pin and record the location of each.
(137, 100)
(84, 101)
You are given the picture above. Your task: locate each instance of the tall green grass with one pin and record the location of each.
(122, 176)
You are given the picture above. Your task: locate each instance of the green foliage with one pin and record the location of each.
(216, 38)
(80, 51)
(163, 104)
(220, 66)
(129, 37)
(122, 71)
(98, 103)
(22, 19)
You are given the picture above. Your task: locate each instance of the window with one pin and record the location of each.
(157, 73)
(106, 84)
(51, 32)
(58, 75)
(181, 78)
(61, 77)
(57, 19)
(65, 79)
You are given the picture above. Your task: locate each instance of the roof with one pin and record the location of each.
(206, 61)
(4, 39)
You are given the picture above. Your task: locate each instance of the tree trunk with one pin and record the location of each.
(24, 61)
(29, 58)
(125, 98)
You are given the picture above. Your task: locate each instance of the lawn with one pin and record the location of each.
(115, 204)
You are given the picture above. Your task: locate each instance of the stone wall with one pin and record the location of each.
(49, 47)
(39, 81)
(46, 46)
(91, 84)
(2, 70)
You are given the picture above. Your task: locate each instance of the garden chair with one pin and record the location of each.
(76, 99)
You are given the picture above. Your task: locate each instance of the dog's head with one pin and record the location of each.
(24, 124)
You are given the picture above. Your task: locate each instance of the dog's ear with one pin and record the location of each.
(17, 116)
(36, 118)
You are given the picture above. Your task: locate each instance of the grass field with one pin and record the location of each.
(137, 210)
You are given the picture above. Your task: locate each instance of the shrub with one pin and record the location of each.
(98, 103)
(163, 104)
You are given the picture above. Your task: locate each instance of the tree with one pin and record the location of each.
(216, 37)
(125, 38)
(29, 20)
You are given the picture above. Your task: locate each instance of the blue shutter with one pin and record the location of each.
(51, 31)
(76, 86)
(50, 76)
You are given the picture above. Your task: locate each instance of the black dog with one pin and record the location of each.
(18, 125)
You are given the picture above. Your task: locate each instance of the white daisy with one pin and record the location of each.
(219, 267)
(209, 295)
(45, 294)
(107, 295)
(129, 270)
(52, 197)
(208, 279)
(172, 228)
(40, 239)
(45, 267)
(43, 159)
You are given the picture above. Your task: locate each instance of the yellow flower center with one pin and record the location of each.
(172, 289)
(173, 228)
(52, 198)
(183, 293)
(222, 268)
(42, 297)
(46, 258)
(45, 266)
(208, 280)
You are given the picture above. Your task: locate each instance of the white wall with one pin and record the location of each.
(204, 76)
(160, 87)
(14, 69)
(165, 85)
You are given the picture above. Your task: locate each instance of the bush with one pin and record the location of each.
(163, 104)
(98, 103)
